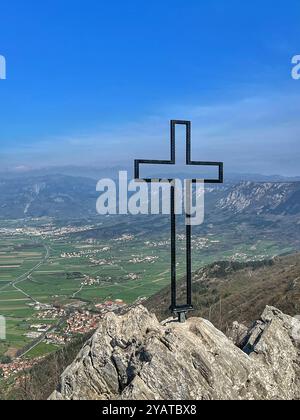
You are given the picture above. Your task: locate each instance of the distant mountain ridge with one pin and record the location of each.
(99, 171)
(57, 196)
(64, 196)
(258, 198)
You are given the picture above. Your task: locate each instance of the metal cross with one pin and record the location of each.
(180, 310)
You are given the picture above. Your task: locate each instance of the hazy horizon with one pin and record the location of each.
(113, 170)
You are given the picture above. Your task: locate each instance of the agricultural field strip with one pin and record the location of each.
(24, 276)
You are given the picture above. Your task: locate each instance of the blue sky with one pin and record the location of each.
(95, 82)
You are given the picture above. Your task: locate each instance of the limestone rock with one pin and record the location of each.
(237, 333)
(135, 357)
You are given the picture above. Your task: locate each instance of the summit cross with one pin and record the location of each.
(180, 310)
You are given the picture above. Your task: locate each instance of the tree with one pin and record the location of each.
(5, 360)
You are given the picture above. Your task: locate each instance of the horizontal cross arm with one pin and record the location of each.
(220, 165)
(218, 180)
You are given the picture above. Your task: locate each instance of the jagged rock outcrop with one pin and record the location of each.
(135, 357)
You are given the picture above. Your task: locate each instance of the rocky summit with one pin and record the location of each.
(134, 357)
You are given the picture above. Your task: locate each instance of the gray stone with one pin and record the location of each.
(134, 357)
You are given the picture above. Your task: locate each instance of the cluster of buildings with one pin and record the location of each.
(56, 339)
(132, 276)
(40, 306)
(110, 306)
(47, 230)
(69, 255)
(240, 256)
(52, 313)
(15, 367)
(90, 281)
(202, 243)
(159, 244)
(9, 232)
(137, 259)
(84, 253)
(77, 321)
(82, 322)
(101, 262)
(125, 238)
(37, 330)
(66, 230)
(198, 243)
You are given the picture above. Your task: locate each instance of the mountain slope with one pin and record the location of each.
(56, 196)
(227, 291)
(133, 357)
(261, 198)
